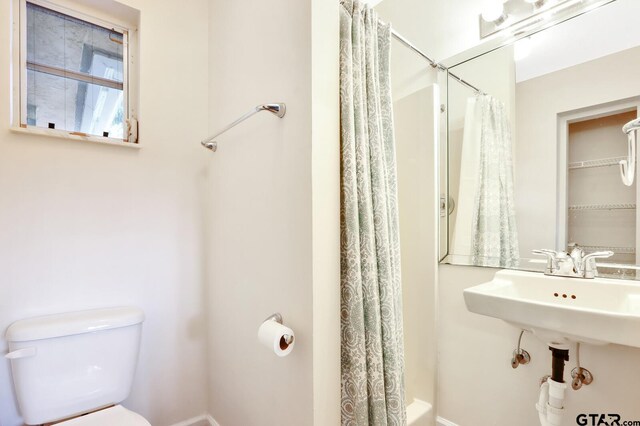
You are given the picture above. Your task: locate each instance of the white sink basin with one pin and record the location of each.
(562, 310)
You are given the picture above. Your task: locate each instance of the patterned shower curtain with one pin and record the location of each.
(495, 237)
(372, 354)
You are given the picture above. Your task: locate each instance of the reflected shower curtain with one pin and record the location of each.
(485, 226)
(372, 353)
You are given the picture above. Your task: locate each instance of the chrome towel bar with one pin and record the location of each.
(278, 109)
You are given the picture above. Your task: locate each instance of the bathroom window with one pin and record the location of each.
(74, 74)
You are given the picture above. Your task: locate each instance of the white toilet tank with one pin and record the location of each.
(69, 364)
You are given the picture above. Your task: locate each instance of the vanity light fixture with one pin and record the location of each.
(536, 3)
(523, 18)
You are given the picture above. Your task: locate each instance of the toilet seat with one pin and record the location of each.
(116, 415)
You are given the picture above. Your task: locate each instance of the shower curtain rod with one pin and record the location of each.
(432, 62)
(411, 46)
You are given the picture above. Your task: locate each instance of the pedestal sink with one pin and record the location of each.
(561, 310)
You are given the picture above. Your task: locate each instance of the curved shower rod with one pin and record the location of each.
(278, 109)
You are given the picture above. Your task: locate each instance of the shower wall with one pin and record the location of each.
(415, 102)
(415, 127)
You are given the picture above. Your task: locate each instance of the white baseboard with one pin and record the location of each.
(444, 422)
(203, 420)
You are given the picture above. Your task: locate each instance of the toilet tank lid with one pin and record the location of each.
(71, 323)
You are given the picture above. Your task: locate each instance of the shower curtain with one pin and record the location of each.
(372, 353)
(485, 228)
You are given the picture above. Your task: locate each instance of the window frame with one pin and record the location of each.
(20, 68)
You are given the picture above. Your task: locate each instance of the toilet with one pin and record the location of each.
(73, 369)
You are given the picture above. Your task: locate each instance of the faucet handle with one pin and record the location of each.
(600, 254)
(546, 252)
(590, 269)
(552, 255)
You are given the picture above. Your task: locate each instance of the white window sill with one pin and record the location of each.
(63, 134)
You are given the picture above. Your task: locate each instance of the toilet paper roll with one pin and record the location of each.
(277, 337)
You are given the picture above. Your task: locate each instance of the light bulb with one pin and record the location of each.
(493, 11)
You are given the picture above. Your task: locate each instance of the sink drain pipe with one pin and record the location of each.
(550, 404)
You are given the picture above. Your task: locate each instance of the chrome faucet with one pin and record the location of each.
(575, 264)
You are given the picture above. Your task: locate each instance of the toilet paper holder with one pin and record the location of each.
(277, 317)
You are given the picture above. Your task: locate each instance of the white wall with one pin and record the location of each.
(439, 28)
(274, 242)
(325, 165)
(84, 225)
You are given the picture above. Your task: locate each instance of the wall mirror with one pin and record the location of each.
(532, 158)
